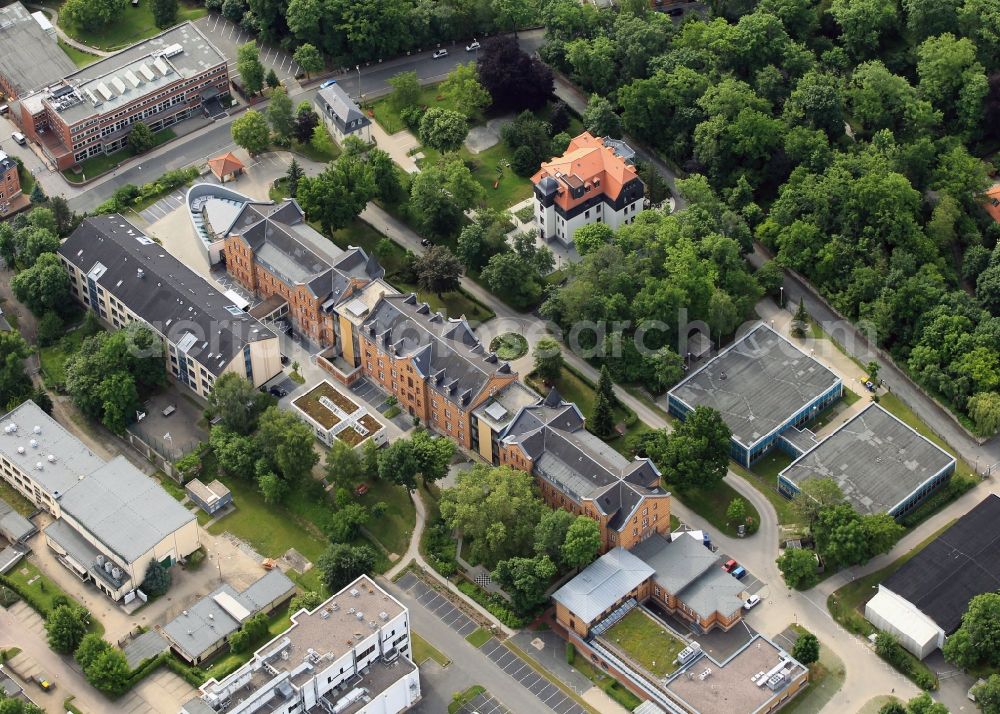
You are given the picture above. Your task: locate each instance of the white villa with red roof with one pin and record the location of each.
(594, 181)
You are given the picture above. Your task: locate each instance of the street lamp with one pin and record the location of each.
(358, 67)
(781, 293)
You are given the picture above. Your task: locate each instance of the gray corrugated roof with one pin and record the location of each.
(205, 622)
(273, 585)
(757, 384)
(602, 584)
(689, 570)
(31, 58)
(124, 509)
(168, 295)
(876, 459)
(73, 460)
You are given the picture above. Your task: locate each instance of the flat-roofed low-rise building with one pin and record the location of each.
(211, 497)
(159, 81)
(765, 388)
(31, 58)
(880, 464)
(350, 655)
(124, 276)
(202, 629)
(334, 416)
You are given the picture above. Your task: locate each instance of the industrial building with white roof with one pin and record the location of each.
(112, 520)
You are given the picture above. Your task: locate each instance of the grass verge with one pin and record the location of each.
(460, 699)
(711, 504)
(131, 25)
(15, 500)
(608, 684)
(41, 591)
(394, 527)
(478, 637)
(79, 57)
(423, 651)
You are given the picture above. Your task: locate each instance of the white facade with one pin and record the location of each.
(915, 631)
(555, 226)
(334, 657)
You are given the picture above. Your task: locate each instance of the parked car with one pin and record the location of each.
(277, 392)
(44, 682)
(438, 54)
(328, 83)
(19, 138)
(751, 602)
(425, 242)
(4, 108)
(472, 46)
(870, 386)
(730, 565)
(739, 572)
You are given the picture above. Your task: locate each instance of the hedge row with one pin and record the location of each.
(26, 595)
(496, 605)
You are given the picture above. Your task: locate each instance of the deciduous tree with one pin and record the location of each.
(341, 563)
(344, 466)
(514, 80)
(251, 132)
(462, 88)
(550, 533)
(443, 129)
(287, 443)
(140, 138)
(798, 567)
(548, 359)
(339, 193)
(279, 115)
(806, 648)
(249, 66)
(308, 57)
(583, 541)
(164, 12)
(237, 403)
(696, 454)
(65, 626)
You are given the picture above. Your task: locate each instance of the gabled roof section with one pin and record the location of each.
(446, 352)
(588, 159)
(602, 584)
(163, 291)
(284, 243)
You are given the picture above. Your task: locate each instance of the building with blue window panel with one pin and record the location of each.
(881, 464)
(764, 386)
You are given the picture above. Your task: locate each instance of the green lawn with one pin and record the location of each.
(133, 24)
(424, 650)
(321, 155)
(510, 188)
(711, 505)
(29, 578)
(608, 684)
(79, 57)
(764, 477)
(15, 500)
(826, 677)
(103, 163)
(460, 699)
(479, 637)
(394, 528)
(54, 357)
(389, 119)
(646, 642)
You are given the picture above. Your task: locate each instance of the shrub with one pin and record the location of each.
(956, 486)
(494, 604)
(570, 653)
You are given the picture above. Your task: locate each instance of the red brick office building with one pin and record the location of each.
(159, 81)
(11, 197)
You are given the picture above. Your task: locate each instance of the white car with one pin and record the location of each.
(751, 602)
(438, 54)
(473, 46)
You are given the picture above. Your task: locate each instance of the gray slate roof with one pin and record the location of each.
(203, 624)
(446, 351)
(29, 57)
(168, 295)
(73, 460)
(579, 464)
(290, 248)
(602, 584)
(757, 384)
(689, 570)
(876, 459)
(339, 107)
(124, 509)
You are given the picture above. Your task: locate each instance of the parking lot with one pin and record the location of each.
(379, 401)
(512, 664)
(227, 37)
(439, 605)
(483, 704)
(164, 206)
(751, 583)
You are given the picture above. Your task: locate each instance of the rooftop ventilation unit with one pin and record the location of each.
(132, 78)
(162, 66)
(119, 85)
(105, 91)
(147, 72)
(171, 51)
(37, 429)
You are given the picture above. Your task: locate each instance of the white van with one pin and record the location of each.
(19, 138)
